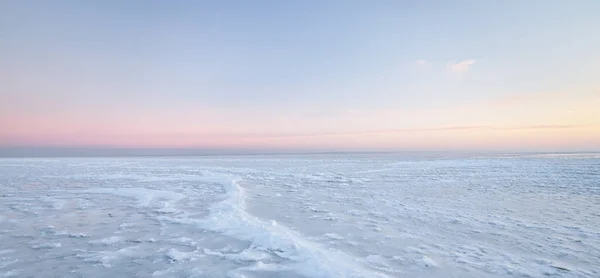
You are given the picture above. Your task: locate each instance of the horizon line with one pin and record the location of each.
(100, 151)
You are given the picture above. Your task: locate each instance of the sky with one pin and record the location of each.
(301, 75)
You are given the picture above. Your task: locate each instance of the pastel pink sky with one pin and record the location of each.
(365, 78)
(536, 122)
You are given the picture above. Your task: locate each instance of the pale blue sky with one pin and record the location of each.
(247, 62)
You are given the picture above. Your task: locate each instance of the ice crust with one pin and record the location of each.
(301, 216)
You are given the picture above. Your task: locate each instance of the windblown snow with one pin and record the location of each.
(301, 216)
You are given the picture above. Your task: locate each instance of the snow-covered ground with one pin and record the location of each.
(301, 216)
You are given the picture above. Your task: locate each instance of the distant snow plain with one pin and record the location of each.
(367, 215)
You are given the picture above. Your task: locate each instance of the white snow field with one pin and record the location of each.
(369, 215)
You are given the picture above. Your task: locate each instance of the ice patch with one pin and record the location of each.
(313, 209)
(108, 241)
(105, 258)
(166, 210)
(142, 195)
(230, 218)
(4, 263)
(177, 256)
(376, 260)
(11, 273)
(48, 245)
(77, 235)
(172, 272)
(258, 267)
(381, 263)
(428, 262)
(162, 273)
(185, 241)
(6, 251)
(247, 255)
(333, 236)
(58, 204)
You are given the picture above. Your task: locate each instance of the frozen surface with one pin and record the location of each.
(301, 216)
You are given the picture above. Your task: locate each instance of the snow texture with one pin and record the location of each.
(301, 216)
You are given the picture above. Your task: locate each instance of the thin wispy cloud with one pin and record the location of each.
(58, 139)
(420, 62)
(461, 67)
(486, 128)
